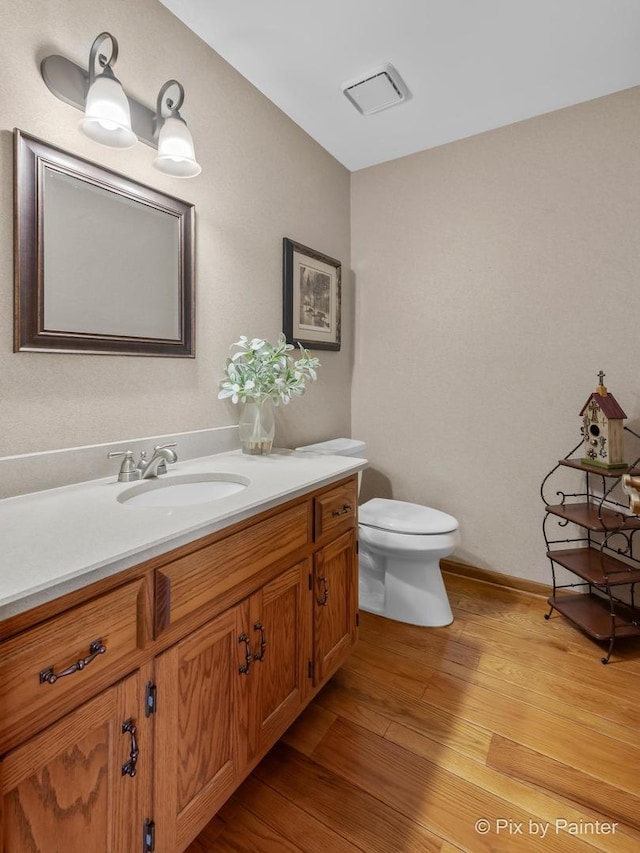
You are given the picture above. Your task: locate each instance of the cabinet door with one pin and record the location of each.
(335, 591)
(200, 690)
(64, 791)
(281, 631)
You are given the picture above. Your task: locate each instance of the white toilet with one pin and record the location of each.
(401, 545)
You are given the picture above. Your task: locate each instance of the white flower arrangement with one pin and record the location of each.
(261, 369)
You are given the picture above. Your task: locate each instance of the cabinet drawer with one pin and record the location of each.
(336, 510)
(47, 670)
(227, 570)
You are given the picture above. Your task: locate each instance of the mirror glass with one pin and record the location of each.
(104, 264)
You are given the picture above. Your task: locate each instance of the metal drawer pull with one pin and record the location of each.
(129, 769)
(263, 641)
(245, 667)
(346, 508)
(48, 676)
(322, 602)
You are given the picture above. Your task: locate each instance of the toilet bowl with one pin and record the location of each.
(401, 545)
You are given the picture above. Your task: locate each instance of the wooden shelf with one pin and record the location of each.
(595, 566)
(597, 469)
(592, 614)
(594, 517)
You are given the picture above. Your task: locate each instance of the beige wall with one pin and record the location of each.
(494, 277)
(263, 179)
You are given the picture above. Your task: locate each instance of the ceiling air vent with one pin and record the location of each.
(381, 88)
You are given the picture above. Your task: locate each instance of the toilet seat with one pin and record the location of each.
(404, 517)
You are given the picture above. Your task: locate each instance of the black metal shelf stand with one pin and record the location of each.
(598, 549)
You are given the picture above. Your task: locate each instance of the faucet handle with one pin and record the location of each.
(128, 471)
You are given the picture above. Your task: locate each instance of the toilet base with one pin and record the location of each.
(370, 585)
(372, 604)
(415, 593)
(406, 591)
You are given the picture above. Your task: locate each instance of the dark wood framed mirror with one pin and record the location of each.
(103, 264)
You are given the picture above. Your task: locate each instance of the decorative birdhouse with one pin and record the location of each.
(602, 429)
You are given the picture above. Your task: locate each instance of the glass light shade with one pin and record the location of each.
(107, 118)
(176, 155)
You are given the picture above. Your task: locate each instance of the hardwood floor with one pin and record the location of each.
(501, 717)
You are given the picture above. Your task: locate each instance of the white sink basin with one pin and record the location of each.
(187, 490)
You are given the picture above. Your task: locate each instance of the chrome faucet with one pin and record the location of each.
(162, 453)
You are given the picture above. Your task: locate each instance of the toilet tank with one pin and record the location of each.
(337, 447)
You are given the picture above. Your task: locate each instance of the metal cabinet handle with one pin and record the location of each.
(346, 508)
(322, 602)
(48, 676)
(244, 668)
(263, 641)
(129, 768)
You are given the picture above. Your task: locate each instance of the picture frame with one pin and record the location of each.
(311, 297)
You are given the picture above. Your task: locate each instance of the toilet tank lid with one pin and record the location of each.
(404, 517)
(336, 447)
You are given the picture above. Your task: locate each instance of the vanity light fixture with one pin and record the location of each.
(113, 119)
(176, 155)
(107, 118)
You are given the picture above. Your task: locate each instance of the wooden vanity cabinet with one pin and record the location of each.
(197, 755)
(82, 784)
(335, 577)
(48, 669)
(242, 629)
(279, 680)
(335, 610)
(225, 695)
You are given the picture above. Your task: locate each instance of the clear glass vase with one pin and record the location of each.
(257, 426)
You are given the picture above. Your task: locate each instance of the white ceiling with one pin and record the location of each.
(470, 65)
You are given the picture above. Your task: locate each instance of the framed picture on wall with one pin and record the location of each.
(311, 297)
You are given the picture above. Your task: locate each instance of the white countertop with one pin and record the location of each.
(56, 541)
